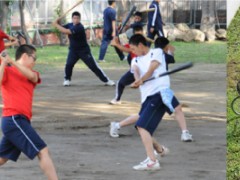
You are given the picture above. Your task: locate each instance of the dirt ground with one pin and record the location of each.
(74, 121)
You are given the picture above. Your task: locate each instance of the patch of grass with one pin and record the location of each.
(55, 56)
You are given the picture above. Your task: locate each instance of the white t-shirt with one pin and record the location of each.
(143, 63)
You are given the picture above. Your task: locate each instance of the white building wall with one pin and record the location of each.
(232, 7)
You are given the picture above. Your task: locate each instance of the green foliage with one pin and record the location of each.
(233, 76)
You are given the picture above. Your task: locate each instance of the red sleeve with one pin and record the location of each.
(3, 35)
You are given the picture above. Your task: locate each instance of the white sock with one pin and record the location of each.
(117, 125)
(184, 131)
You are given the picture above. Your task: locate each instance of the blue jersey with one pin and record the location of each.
(78, 39)
(154, 17)
(109, 15)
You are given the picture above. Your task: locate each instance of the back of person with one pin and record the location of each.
(2, 37)
(109, 15)
(154, 15)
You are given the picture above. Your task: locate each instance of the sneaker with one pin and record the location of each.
(101, 61)
(110, 83)
(115, 102)
(147, 164)
(186, 137)
(113, 130)
(66, 82)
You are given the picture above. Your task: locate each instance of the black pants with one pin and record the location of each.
(88, 59)
(125, 80)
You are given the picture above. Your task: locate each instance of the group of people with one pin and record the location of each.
(18, 81)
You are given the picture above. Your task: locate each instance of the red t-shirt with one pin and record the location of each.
(2, 37)
(17, 93)
(132, 54)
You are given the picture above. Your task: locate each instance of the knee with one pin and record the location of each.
(3, 161)
(43, 153)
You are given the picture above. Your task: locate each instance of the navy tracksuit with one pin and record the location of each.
(79, 49)
(155, 21)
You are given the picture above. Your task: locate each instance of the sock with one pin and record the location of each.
(184, 131)
(117, 125)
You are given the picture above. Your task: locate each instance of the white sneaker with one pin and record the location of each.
(66, 82)
(186, 137)
(115, 102)
(147, 164)
(113, 130)
(101, 61)
(110, 83)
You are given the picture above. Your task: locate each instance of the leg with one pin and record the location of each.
(46, 164)
(120, 53)
(103, 48)
(88, 59)
(180, 118)
(115, 126)
(71, 61)
(3, 161)
(147, 142)
(124, 81)
(129, 121)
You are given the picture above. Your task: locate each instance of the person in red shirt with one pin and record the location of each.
(3, 45)
(18, 80)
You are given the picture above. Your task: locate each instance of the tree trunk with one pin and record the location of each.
(4, 14)
(23, 26)
(62, 37)
(208, 16)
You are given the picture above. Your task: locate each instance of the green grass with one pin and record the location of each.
(55, 56)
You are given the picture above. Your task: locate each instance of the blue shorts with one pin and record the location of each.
(19, 136)
(152, 111)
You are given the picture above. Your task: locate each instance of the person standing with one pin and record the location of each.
(155, 23)
(109, 31)
(18, 80)
(79, 49)
(3, 45)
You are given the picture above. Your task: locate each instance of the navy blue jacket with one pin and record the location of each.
(154, 17)
(78, 39)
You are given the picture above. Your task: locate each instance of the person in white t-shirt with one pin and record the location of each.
(156, 95)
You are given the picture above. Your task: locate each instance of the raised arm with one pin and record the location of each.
(62, 29)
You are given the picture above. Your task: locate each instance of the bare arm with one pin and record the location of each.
(139, 80)
(28, 73)
(113, 28)
(115, 42)
(2, 67)
(60, 28)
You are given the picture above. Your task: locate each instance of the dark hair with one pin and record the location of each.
(76, 13)
(28, 49)
(110, 2)
(137, 13)
(137, 39)
(137, 28)
(161, 42)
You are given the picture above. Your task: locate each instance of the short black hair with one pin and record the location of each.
(28, 49)
(110, 2)
(76, 13)
(137, 13)
(137, 39)
(137, 28)
(161, 42)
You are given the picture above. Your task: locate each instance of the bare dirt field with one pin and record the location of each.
(74, 121)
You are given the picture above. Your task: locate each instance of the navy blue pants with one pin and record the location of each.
(158, 32)
(104, 45)
(87, 58)
(125, 80)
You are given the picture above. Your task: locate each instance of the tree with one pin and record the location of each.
(21, 4)
(208, 19)
(4, 14)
